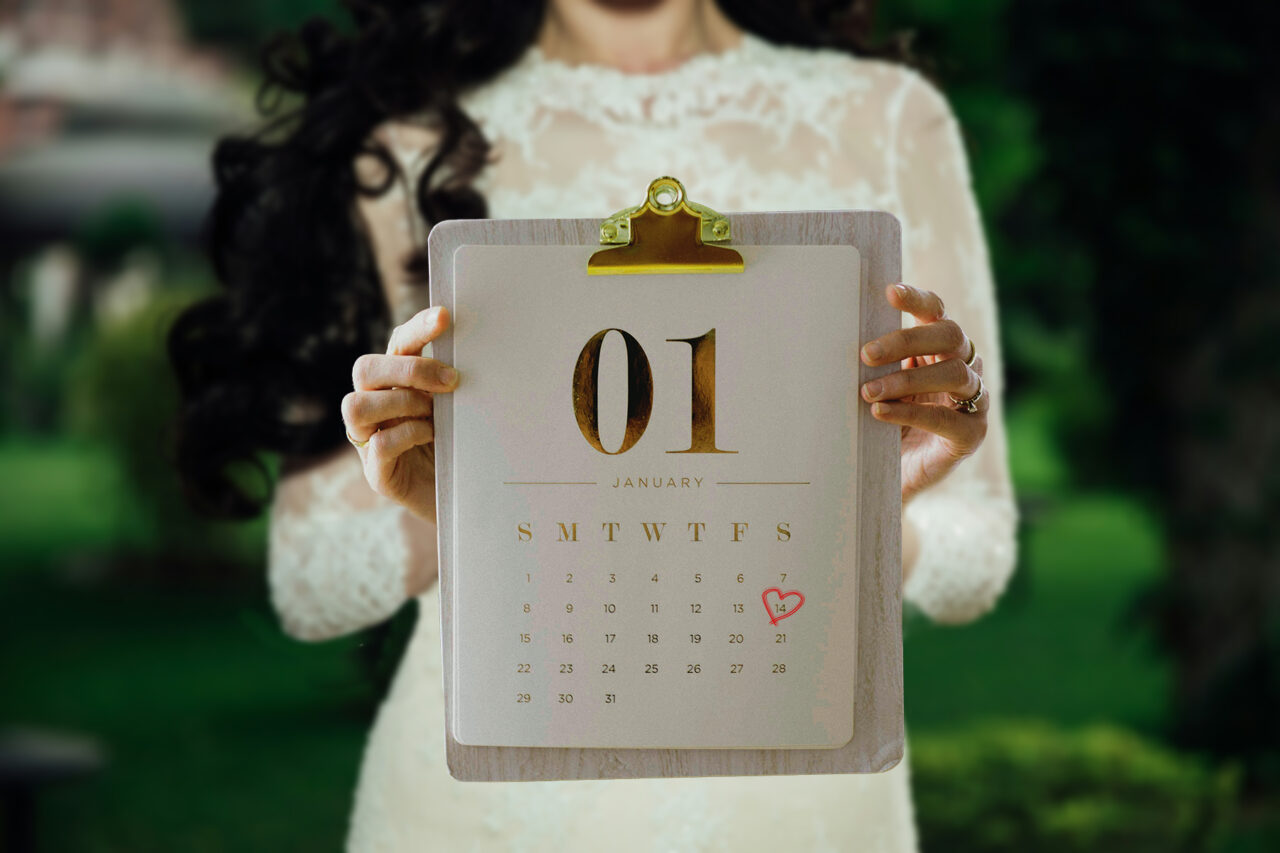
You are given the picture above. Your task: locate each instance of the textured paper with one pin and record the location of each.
(785, 400)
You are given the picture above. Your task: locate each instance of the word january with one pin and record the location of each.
(656, 483)
(612, 531)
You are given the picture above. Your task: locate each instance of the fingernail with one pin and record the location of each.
(873, 388)
(902, 289)
(873, 351)
(879, 409)
(448, 375)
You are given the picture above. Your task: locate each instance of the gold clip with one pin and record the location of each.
(666, 234)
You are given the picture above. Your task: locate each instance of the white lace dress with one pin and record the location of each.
(758, 127)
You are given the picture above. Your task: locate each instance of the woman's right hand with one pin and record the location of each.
(388, 415)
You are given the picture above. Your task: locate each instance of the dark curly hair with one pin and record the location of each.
(263, 365)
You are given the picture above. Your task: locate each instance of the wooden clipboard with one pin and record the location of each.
(668, 234)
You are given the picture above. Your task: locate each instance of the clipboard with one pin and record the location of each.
(666, 242)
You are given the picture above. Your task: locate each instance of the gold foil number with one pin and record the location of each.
(586, 378)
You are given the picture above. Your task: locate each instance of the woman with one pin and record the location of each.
(436, 110)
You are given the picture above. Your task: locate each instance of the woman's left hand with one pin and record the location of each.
(922, 397)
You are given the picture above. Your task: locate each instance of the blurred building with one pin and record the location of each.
(101, 101)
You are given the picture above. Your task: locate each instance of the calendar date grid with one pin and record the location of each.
(652, 623)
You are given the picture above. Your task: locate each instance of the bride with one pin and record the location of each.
(438, 109)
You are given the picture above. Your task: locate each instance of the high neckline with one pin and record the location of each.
(700, 88)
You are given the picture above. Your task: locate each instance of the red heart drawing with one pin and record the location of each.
(775, 618)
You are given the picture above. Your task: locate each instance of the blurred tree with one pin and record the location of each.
(1160, 123)
(121, 395)
(243, 25)
(1126, 157)
(117, 228)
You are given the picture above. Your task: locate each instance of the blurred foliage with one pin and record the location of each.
(1032, 786)
(241, 25)
(1061, 645)
(35, 377)
(124, 225)
(13, 337)
(36, 373)
(1163, 122)
(1127, 161)
(121, 395)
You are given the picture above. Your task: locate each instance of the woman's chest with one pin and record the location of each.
(566, 165)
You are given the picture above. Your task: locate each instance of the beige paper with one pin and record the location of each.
(710, 668)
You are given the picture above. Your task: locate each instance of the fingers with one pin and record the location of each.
(925, 305)
(963, 432)
(419, 330)
(935, 335)
(373, 371)
(943, 337)
(365, 412)
(388, 445)
(951, 375)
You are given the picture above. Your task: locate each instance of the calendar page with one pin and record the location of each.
(654, 501)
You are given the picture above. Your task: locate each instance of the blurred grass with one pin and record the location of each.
(1057, 647)
(222, 733)
(56, 497)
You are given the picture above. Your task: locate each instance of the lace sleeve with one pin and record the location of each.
(337, 552)
(966, 522)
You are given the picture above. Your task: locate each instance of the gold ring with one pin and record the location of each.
(969, 406)
(355, 443)
(973, 354)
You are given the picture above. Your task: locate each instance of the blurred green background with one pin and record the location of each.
(1125, 695)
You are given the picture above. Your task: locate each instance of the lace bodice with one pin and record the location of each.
(758, 127)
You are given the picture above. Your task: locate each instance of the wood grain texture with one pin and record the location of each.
(878, 738)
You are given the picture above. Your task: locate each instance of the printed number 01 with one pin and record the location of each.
(586, 379)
